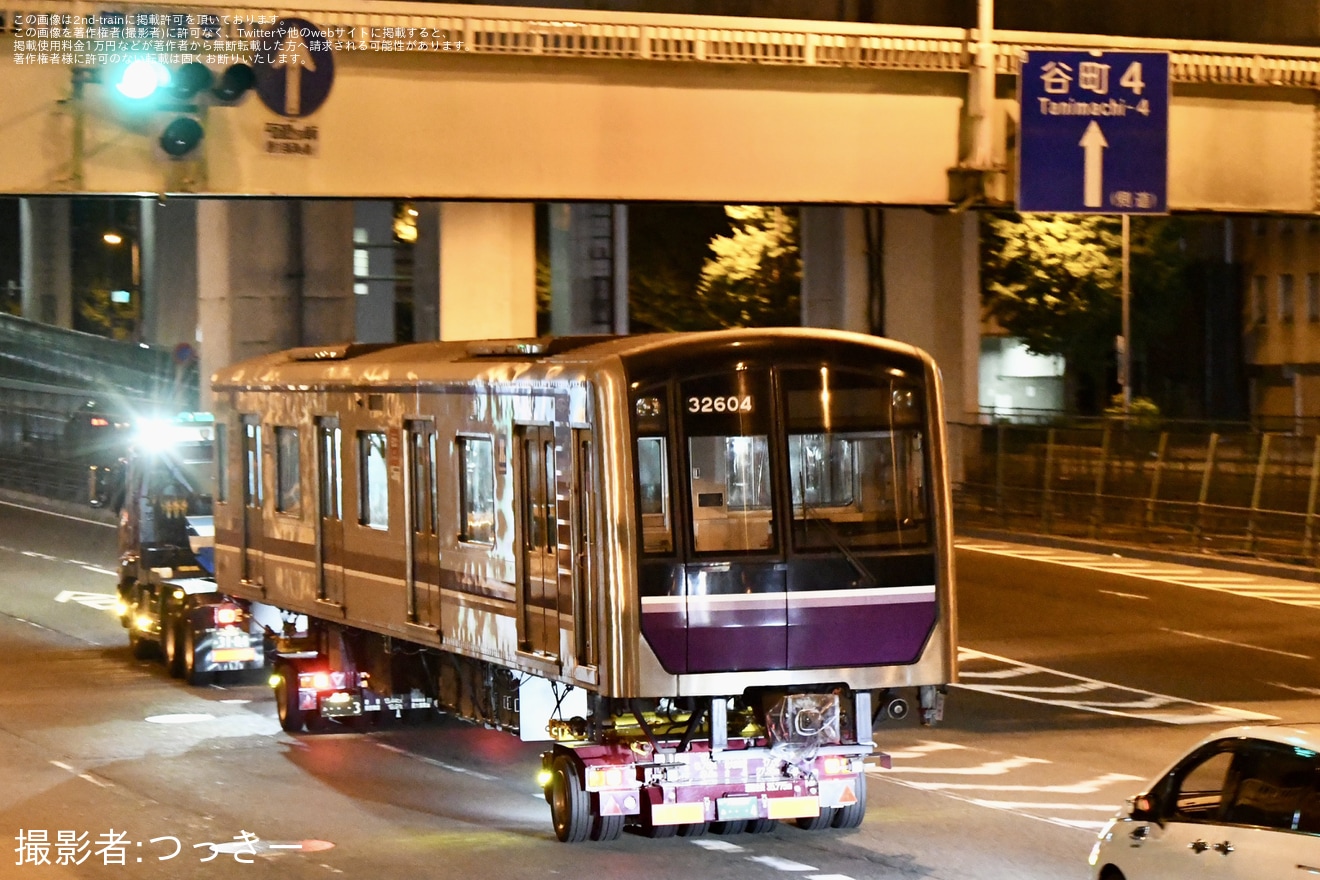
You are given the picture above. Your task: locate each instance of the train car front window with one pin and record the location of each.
(856, 460)
(726, 419)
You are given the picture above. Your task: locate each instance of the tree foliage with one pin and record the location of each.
(1054, 281)
(752, 278)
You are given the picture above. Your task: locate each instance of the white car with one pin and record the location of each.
(1243, 804)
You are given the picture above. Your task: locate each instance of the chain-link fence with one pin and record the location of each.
(1243, 492)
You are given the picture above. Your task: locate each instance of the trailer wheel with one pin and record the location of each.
(286, 699)
(606, 827)
(851, 816)
(195, 676)
(694, 829)
(760, 826)
(570, 806)
(171, 648)
(816, 823)
(141, 648)
(732, 826)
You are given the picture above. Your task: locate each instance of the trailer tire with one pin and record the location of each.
(141, 648)
(761, 826)
(195, 676)
(851, 816)
(731, 826)
(570, 806)
(286, 699)
(606, 827)
(694, 829)
(170, 639)
(816, 823)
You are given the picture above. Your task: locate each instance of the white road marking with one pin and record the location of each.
(1192, 635)
(718, 845)
(90, 522)
(990, 768)
(1270, 589)
(781, 864)
(1090, 786)
(1300, 689)
(62, 765)
(1026, 681)
(99, 601)
(94, 781)
(925, 748)
(1123, 595)
(453, 768)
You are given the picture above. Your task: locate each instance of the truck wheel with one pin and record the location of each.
(851, 816)
(570, 806)
(286, 698)
(141, 648)
(170, 645)
(195, 676)
(816, 823)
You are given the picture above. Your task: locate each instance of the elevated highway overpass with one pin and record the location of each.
(537, 104)
(507, 106)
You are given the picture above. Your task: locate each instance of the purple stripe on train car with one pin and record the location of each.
(664, 624)
(733, 633)
(859, 627)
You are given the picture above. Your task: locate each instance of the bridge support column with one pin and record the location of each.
(588, 268)
(168, 240)
(487, 270)
(928, 295)
(373, 270)
(271, 275)
(933, 295)
(47, 276)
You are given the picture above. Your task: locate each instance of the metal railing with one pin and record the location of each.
(575, 33)
(1242, 493)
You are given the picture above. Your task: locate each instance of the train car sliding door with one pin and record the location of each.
(538, 531)
(424, 552)
(253, 494)
(330, 519)
(583, 599)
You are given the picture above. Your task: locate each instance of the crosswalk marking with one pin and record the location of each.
(1271, 589)
(1000, 676)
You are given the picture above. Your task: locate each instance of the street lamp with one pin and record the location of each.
(114, 239)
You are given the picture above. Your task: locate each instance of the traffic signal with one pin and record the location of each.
(146, 85)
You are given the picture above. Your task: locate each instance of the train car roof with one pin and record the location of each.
(501, 360)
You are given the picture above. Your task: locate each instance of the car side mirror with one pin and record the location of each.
(1144, 808)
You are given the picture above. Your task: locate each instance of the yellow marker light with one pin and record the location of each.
(226, 616)
(835, 766)
(321, 681)
(121, 608)
(143, 622)
(543, 778)
(604, 777)
(274, 680)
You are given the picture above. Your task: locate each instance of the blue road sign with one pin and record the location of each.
(294, 68)
(1093, 137)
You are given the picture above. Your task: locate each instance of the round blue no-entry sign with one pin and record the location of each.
(294, 68)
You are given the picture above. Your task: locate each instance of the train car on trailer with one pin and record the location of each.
(702, 565)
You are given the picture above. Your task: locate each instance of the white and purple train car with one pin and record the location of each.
(703, 565)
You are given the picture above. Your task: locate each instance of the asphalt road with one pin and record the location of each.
(1079, 684)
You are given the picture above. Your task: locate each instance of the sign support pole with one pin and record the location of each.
(1125, 348)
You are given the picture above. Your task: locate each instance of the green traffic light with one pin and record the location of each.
(142, 78)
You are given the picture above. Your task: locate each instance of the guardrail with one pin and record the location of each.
(1247, 493)
(571, 33)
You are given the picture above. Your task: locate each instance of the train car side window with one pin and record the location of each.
(288, 494)
(373, 480)
(252, 493)
(652, 479)
(332, 486)
(476, 503)
(221, 463)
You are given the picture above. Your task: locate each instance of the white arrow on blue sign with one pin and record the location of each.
(1093, 133)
